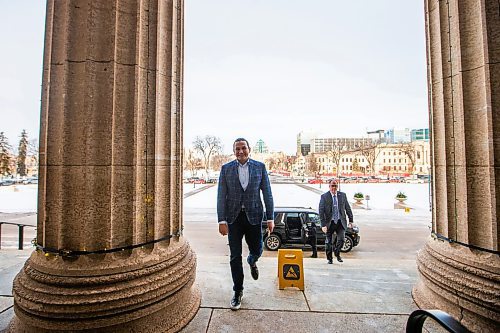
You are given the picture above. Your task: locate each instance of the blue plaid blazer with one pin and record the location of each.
(231, 197)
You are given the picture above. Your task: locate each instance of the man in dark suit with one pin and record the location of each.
(240, 212)
(333, 208)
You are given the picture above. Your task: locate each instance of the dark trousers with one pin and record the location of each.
(253, 236)
(311, 240)
(338, 229)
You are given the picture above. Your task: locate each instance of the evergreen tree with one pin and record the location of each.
(355, 165)
(22, 153)
(4, 155)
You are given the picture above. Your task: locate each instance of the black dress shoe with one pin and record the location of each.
(236, 300)
(314, 256)
(330, 261)
(339, 259)
(254, 271)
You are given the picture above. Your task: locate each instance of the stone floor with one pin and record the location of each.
(369, 292)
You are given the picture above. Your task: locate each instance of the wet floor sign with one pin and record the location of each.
(290, 269)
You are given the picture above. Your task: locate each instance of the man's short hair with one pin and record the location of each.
(241, 139)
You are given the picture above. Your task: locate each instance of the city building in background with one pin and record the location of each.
(322, 145)
(377, 136)
(385, 153)
(398, 135)
(420, 134)
(304, 140)
(260, 147)
(403, 159)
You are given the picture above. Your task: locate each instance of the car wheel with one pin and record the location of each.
(272, 242)
(348, 244)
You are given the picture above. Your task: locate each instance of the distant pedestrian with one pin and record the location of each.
(240, 212)
(333, 208)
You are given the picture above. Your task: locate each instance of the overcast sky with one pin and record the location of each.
(261, 69)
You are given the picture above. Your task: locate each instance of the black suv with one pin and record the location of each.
(289, 229)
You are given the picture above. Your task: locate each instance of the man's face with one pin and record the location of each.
(241, 151)
(333, 187)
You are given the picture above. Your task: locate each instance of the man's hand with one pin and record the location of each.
(270, 225)
(323, 229)
(350, 224)
(223, 229)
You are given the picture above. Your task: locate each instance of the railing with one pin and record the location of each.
(416, 321)
(20, 235)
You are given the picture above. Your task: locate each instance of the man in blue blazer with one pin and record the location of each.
(240, 212)
(333, 208)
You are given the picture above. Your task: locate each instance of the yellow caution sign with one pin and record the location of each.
(290, 269)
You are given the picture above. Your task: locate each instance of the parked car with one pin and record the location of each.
(315, 181)
(6, 182)
(196, 180)
(289, 228)
(413, 179)
(31, 180)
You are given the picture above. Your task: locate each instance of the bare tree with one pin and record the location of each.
(311, 165)
(290, 161)
(281, 161)
(409, 150)
(335, 154)
(207, 146)
(219, 160)
(33, 150)
(370, 153)
(271, 163)
(193, 163)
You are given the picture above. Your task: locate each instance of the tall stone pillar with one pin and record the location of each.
(112, 257)
(459, 268)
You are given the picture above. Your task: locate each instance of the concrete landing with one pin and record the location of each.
(356, 295)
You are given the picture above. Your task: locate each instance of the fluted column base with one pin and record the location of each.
(143, 291)
(464, 283)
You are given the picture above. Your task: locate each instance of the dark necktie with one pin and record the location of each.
(335, 209)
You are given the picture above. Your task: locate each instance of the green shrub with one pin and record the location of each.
(401, 195)
(359, 195)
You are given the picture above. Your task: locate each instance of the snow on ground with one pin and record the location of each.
(23, 198)
(381, 196)
(18, 198)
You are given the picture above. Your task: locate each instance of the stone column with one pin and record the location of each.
(110, 174)
(463, 54)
